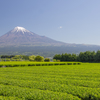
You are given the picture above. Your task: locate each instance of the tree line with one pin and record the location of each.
(88, 56)
(23, 58)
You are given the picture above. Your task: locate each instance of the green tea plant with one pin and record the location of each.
(50, 82)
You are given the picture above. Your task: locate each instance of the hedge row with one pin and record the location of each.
(20, 63)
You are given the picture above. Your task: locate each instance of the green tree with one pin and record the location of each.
(24, 57)
(39, 58)
(57, 57)
(17, 57)
(92, 58)
(74, 57)
(87, 56)
(97, 56)
(68, 57)
(63, 58)
(81, 57)
(32, 57)
(47, 60)
(54, 60)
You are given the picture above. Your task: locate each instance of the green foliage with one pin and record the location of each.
(7, 56)
(29, 63)
(65, 57)
(17, 58)
(32, 57)
(39, 58)
(54, 60)
(57, 57)
(65, 82)
(24, 57)
(88, 56)
(97, 56)
(58, 60)
(47, 60)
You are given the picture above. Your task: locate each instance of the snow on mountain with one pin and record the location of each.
(20, 29)
(20, 36)
(21, 40)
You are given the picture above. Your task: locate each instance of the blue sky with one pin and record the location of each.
(70, 21)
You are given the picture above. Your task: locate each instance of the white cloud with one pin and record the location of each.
(60, 27)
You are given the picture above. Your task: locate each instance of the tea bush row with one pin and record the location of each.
(60, 82)
(21, 63)
(75, 90)
(34, 94)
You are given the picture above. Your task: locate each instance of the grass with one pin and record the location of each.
(61, 82)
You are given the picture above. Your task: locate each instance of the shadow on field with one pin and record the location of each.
(91, 97)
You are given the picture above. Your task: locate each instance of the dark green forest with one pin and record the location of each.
(87, 56)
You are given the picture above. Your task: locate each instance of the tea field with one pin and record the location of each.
(57, 82)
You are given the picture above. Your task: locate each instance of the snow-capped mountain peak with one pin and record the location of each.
(20, 29)
(19, 36)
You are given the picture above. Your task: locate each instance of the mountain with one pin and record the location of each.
(21, 41)
(19, 36)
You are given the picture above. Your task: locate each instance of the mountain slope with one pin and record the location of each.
(21, 41)
(19, 36)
